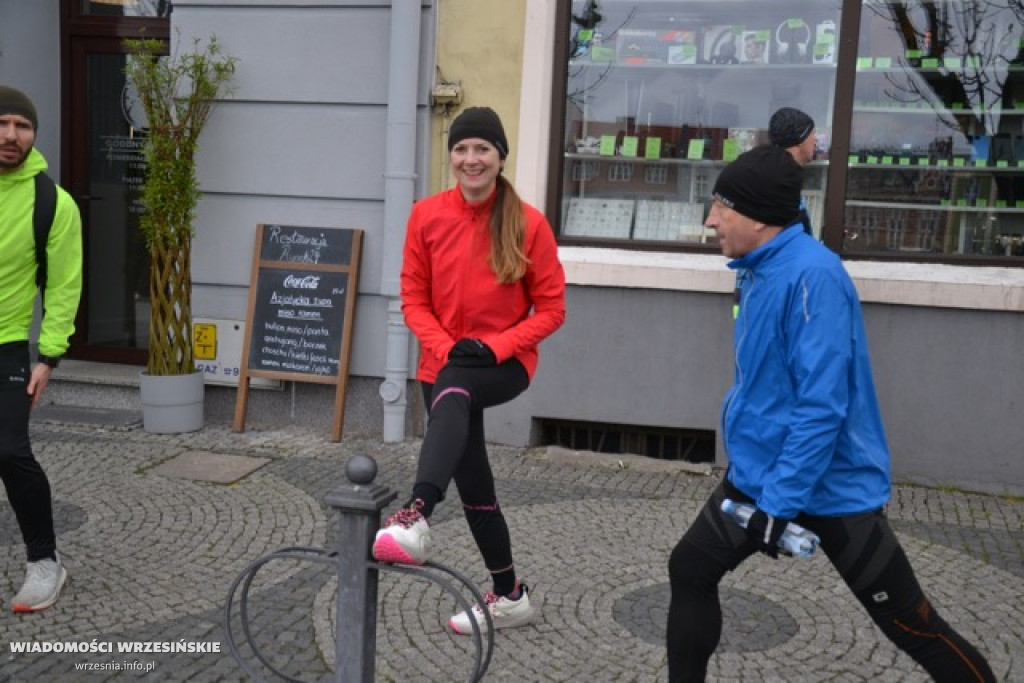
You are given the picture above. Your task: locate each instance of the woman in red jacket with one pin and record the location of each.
(481, 288)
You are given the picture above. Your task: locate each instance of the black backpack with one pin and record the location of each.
(42, 220)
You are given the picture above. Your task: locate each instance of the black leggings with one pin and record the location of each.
(864, 551)
(454, 448)
(27, 487)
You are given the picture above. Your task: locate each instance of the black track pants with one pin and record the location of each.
(26, 484)
(865, 552)
(454, 448)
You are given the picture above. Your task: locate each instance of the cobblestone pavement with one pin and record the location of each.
(151, 558)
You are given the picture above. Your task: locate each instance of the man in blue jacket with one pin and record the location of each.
(803, 432)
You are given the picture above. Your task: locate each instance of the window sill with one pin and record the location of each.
(907, 284)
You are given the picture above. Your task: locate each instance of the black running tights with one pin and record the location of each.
(864, 551)
(454, 448)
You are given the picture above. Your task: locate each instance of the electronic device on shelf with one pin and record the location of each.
(721, 42)
(792, 40)
(825, 42)
(756, 46)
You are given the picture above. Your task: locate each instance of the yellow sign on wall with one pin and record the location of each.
(205, 341)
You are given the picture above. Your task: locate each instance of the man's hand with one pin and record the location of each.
(765, 531)
(38, 381)
(471, 353)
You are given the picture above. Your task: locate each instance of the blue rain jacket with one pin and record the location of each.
(801, 424)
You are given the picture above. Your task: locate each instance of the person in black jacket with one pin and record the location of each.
(793, 131)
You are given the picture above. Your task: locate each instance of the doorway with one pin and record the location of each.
(103, 136)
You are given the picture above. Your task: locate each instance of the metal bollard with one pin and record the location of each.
(359, 505)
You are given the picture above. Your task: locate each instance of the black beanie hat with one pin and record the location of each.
(762, 184)
(479, 122)
(789, 127)
(16, 102)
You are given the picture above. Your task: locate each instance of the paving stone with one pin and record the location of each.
(218, 468)
(152, 554)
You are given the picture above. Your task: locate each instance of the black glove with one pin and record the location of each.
(765, 531)
(471, 353)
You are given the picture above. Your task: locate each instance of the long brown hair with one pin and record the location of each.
(508, 234)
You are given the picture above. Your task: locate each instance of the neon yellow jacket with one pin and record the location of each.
(18, 261)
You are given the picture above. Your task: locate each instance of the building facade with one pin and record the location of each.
(339, 117)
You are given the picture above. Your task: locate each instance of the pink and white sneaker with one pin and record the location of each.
(404, 538)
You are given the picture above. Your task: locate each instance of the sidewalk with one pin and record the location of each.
(151, 550)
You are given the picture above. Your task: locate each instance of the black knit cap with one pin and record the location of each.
(762, 184)
(789, 127)
(16, 102)
(479, 122)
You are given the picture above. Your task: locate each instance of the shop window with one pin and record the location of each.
(919, 137)
(660, 96)
(936, 161)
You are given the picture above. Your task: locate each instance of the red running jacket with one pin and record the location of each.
(449, 290)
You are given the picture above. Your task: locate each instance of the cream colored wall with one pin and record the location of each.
(480, 43)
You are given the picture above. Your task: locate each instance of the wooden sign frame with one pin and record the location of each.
(298, 260)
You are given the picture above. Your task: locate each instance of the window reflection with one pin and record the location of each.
(127, 8)
(936, 149)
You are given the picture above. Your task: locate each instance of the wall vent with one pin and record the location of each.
(689, 445)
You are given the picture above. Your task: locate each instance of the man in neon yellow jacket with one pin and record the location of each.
(21, 383)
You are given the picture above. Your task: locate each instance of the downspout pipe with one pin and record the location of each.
(399, 191)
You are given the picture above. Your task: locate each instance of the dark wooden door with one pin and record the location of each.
(103, 134)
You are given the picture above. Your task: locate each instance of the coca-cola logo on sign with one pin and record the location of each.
(307, 282)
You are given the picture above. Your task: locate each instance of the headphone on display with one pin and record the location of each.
(792, 38)
(723, 49)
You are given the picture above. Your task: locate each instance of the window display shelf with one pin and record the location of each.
(951, 169)
(802, 68)
(933, 110)
(869, 65)
(679, 161)
(951, 208)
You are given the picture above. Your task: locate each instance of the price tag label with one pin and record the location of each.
(630, 144)
(652, 148)
(695, 150)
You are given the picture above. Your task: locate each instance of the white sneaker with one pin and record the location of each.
(505, 613)
(43, 581)
(405, 538)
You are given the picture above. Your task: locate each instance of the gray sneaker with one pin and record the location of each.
(43, 581)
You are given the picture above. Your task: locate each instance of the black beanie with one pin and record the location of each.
(478, 122)
(762, 184)
(16, 102)
(789, 127)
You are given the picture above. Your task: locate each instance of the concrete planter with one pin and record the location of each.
(172, 404)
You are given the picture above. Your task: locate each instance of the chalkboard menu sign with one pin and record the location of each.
(301, 306)
(296, 320)
(318, 246)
